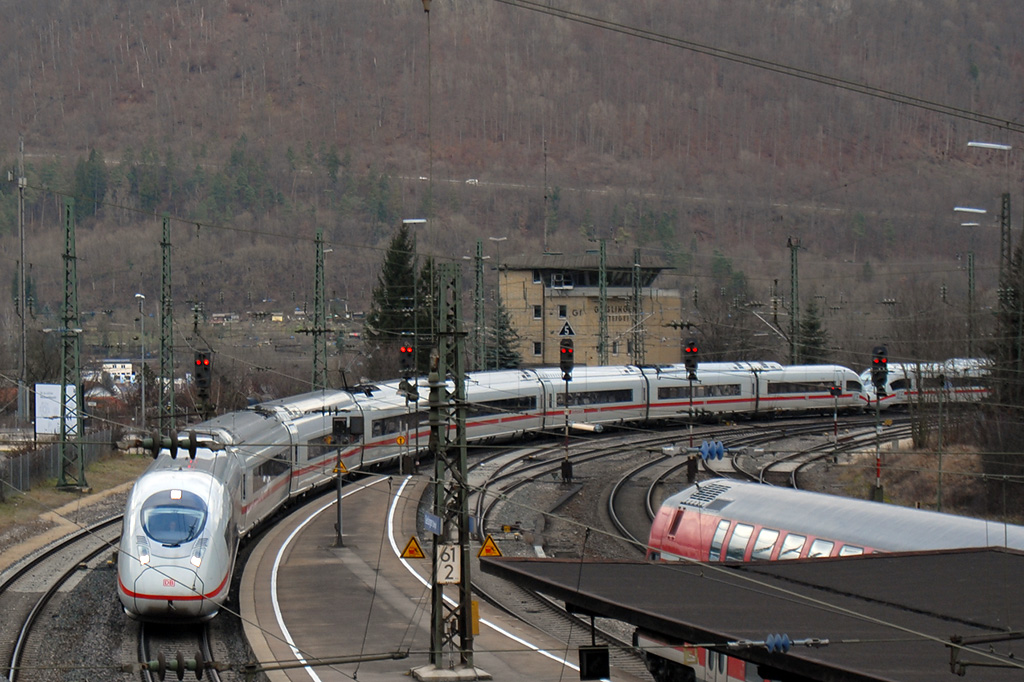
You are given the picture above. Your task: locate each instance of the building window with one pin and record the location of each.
(615, 347)
(563, 310)
(561, 280)
(537, 349)
(536, 312)
(536, 277)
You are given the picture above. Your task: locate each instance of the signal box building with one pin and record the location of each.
(551, 297)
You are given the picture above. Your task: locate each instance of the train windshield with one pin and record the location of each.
(173, 517)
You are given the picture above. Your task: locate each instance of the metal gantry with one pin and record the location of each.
(451, 626)
(165, 388)
(72, 469)
(794, 301)
(319, 330)
(602, 306)
(23, 396)
(479, 314)
(639, 354)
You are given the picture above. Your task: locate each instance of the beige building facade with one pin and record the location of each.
(551, 297)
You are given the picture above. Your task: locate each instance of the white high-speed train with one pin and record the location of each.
(957, 380)
(185, 516)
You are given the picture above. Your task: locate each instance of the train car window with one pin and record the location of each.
(900, 384)
(718, 539)
(820, 548)
(764, 544)
(854, 386)
(850, 550)
(323, 446)
(715, 390)
(775, 387)
(524, 403)
(622, 395)
(173, 517)
(675, 523)
(738, 542)
(792, 546)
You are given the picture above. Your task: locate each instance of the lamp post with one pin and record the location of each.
(142, 358)
(1005, 243)
(970, 276)
(413, 223)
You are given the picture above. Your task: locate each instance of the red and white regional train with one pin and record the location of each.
(723, 520)
(185, 516)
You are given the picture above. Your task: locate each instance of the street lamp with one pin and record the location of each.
(970, 275)
(142, 360)
(990, 145)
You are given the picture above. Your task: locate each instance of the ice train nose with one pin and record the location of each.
(169, 591)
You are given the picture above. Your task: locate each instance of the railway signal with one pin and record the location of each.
(690, 359)
(202, 372)
(879, 368)
(405, 354)
(565, 358)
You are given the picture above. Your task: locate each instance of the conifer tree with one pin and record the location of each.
(503, 350)
(392, 312)
(813, 337)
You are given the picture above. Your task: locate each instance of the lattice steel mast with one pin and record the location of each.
(72, 469)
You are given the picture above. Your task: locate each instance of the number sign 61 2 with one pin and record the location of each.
(449, 565)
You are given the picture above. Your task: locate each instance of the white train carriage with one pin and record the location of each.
(808, 387)
(179, 538)
(761, 388)
(957, 380)
(504, 405)
(595, 396)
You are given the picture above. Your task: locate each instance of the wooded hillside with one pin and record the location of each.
(254, 123)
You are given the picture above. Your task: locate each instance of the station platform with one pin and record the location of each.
(304, 599)
(914, 617)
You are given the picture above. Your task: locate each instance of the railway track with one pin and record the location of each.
(498, 479)
(163, 650)
(27, 592)
(661, 474)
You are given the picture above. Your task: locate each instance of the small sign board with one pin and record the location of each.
(432, 522)
(489, 548)
(567, 330)
(413, 550)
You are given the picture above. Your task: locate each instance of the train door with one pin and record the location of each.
(293, 457)
(645, 397)
(755, 390)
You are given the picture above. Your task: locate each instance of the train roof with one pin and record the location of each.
(304, 403)
(880, 526)
(738, 365)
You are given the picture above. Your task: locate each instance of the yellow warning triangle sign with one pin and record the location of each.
(489, 548)
(413, 550)
(340, 469)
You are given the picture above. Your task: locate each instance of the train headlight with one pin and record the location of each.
(198, 551)
(143, 554)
